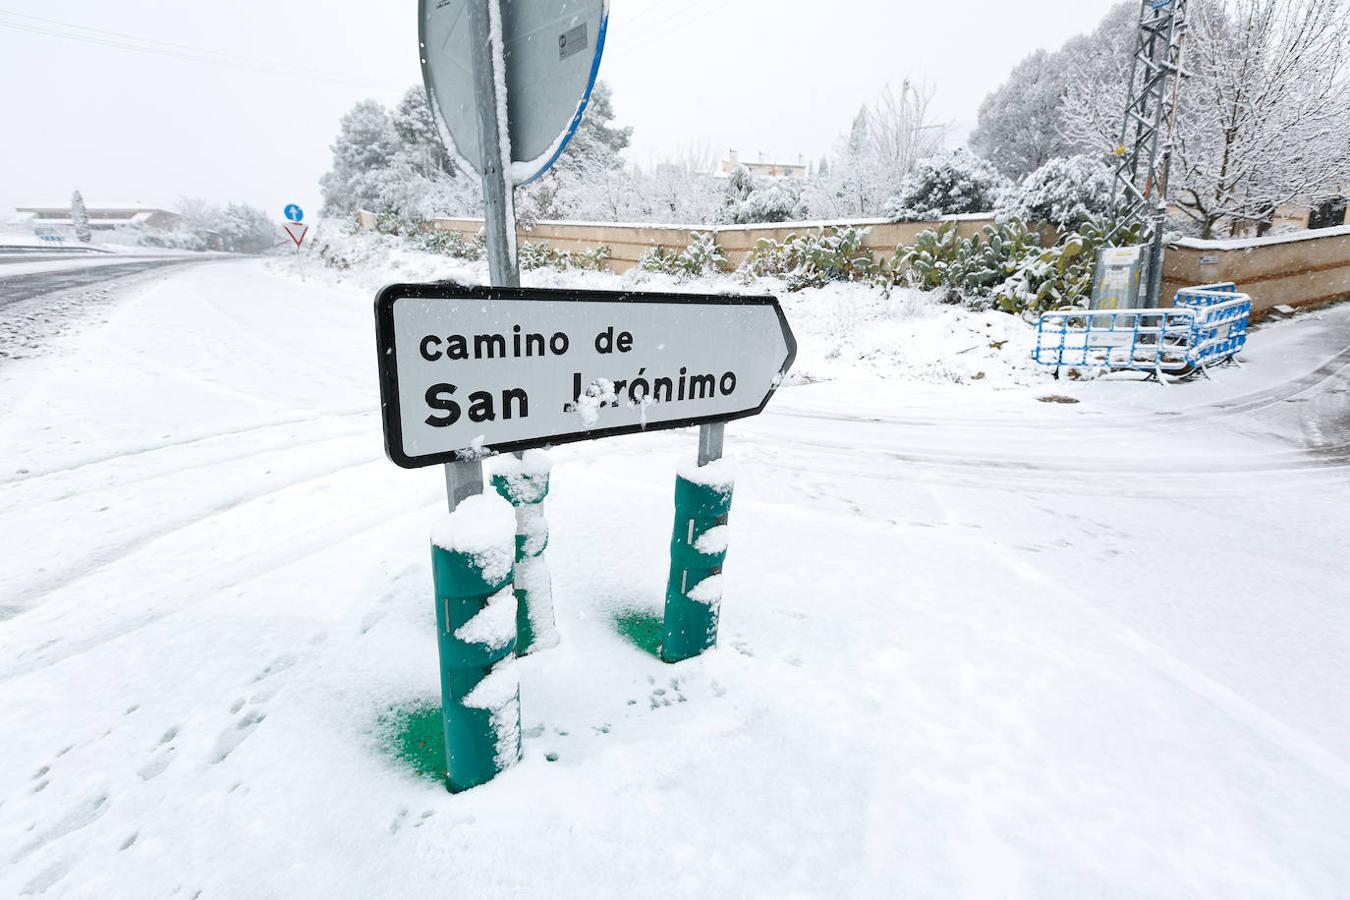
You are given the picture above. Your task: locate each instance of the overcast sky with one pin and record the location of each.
(252, 118)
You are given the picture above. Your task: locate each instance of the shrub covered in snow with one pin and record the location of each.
(1066, 192)
(1061, 276)
(447, 243)
(1007, 265)
(812, 260)
(701, 257)
(952, 183)
(969, 270)
(749, 200)
(538, 255)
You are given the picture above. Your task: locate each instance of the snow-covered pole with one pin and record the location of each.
(471, 556)
(473, 550)
(494, 140)
(523, 482)
(698, 550)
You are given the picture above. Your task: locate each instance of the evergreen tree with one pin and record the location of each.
(362, 157)
(246, 229)
(952, 183)
(589, 165)
(79, 217)
(598, 141)
(417, 135)
(1018, 128)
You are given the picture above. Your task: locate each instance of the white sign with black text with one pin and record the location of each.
(468, 371)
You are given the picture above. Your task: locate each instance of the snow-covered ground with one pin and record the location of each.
(973, 644)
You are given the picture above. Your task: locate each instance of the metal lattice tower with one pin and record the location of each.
(1145, 150)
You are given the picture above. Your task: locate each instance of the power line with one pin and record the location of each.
(122, 41)
(645, 36)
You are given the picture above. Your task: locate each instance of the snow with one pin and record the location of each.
(972, 643)
(531, 523)
(483, 527)
(498, 689)
(1268, 241)
(596, 396)
(708, 591)
(532, 463)
(532, 576)
(495, 624)
(713, 541)
(720, 473)
(500, 693)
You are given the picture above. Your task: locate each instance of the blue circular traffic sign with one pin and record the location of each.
(294, 213)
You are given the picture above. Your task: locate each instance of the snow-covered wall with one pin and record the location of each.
(627, 242)
(1300, 269)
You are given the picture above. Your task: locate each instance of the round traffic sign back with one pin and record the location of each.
(551, 50)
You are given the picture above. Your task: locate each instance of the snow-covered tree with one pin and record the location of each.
(902, 130)
(748, 199)
(1097, 70)
(951, 183)
(1018, 127)
(246, 229)
(79, 217)
(1264, 117)
(1041, 111)
(884, 142)
(1065, 193)
(418, 139)
(1262, 112)
(584, 176)
(362, 157)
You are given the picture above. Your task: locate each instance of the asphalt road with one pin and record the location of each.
(14, 288)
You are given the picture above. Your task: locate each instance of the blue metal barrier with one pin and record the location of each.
(1221, 321)
(1206, 326)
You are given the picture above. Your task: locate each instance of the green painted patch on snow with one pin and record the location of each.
(641, 629)
(414, 734)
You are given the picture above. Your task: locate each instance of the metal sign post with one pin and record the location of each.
(296, 231)
(464, 478)
(529, 81)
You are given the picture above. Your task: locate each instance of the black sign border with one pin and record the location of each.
(448, 290)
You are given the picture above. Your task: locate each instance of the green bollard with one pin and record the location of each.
(471, 559)
(697, 552)
(523, 482)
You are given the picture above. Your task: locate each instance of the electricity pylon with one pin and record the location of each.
(1146, 140)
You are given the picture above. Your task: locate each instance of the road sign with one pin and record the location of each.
(297, 232)
(469, 371)
(294, 213)
(551, 50)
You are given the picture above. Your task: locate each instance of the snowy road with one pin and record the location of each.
(30, 278)
(973, 644)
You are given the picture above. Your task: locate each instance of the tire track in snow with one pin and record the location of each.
(111, 553)
(32, 475)
(219, 577)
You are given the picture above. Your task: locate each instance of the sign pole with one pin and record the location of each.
(698, 550)
(499, 208)
(503, 271)
(710, 438)
(477, 747)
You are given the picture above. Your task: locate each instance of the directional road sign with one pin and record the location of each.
(297, 232)
(469, 371)
(294, 213)
(551, 51)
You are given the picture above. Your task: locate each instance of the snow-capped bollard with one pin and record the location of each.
(523, 482)
(697, 551)
(472, 553)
